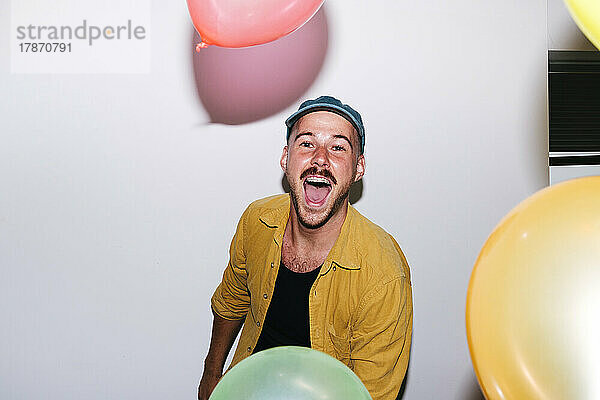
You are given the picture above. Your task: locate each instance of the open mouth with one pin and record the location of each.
(316, 190)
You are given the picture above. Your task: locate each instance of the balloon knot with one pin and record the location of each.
(201, 46)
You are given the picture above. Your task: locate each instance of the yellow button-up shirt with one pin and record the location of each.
(360, 306)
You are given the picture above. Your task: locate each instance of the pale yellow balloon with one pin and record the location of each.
(586, 14)
(533, 304)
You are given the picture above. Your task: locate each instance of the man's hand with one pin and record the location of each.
(207, 384)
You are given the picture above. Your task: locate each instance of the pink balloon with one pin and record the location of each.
(238, 86)
(242, 23)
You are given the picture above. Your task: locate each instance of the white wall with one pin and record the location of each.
(117, 200)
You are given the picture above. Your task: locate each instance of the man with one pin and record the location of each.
(307, 269)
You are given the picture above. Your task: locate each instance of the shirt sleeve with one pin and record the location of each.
(381, 336)
(231, 299)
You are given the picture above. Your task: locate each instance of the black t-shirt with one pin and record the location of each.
(286, 322)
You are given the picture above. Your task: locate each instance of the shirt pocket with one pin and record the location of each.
(339, 342)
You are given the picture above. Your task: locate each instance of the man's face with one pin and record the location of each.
(321, 161)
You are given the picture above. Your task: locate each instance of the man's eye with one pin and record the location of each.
(305, 144)
(339, 148)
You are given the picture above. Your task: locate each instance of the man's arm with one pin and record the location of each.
(229, 304)
(224, 332)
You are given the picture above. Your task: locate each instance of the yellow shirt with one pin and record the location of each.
(360, 306)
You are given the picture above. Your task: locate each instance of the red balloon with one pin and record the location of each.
(242, 23)
(238, 86)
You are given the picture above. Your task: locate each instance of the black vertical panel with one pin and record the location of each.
(574, 97)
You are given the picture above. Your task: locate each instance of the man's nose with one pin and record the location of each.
(320, 157)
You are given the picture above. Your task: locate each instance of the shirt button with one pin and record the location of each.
(258, 323)
(271, 265)
(265, 296)
(334, 267)
(315, 293)
(249, 349)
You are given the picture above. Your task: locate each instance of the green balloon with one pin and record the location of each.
(291, 373)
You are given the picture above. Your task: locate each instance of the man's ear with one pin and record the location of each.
(360, 168)
(283, 161)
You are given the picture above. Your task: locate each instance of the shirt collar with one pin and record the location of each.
(344, 253)
(276, 219)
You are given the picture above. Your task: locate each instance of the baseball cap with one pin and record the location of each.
(329, 103)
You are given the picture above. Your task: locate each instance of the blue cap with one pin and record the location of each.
(328, 103)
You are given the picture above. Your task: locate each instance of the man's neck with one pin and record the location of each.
(319, 239)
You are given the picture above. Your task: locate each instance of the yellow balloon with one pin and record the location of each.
(533, 304)
(586, 14)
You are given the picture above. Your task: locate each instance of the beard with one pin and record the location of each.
(311, 219)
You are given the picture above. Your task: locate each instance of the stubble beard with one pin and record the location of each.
(296, 192)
